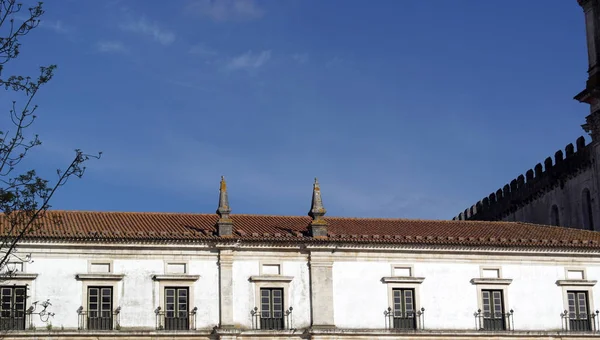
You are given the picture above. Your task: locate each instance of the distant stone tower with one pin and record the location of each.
(564, 191)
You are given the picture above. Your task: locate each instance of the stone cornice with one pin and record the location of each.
(588, 283)
(18, 276)
(100, 276)
(490, 281)
(175, 277)
(402, 279)
(270, 278)
(333, 245)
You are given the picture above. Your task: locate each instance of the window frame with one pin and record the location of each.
(13, 288)
(584, 285)
(99, 310)
(271, 281)
(494, 284)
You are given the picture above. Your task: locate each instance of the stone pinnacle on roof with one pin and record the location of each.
(318, 225)
(224, 224)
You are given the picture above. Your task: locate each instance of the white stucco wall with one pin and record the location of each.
(359, 295)
(448, 296)
(298, 296)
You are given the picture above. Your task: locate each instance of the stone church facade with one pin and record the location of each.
(565, 189)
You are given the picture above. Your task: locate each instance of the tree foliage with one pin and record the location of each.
(24, 196)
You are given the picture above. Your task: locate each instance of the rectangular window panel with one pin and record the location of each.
(493, 310)
(579, 318)
(271, 269)
(402, 271)
(271, 308)
(99, 313)
(176, 268)
(12, 307)
(403, 316)
(176, 308)
(492, 273)
(100, 268)
(575, 275)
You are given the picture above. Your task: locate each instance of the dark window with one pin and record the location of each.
(176, 308)
(579, 318)
(99, 314)
(12, 311)
(554, 219)
(493, 310)
(404, 309)
(586, 201)
(271, 308)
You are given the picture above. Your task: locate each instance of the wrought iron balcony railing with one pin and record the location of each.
(175, 321)
(494, 321)
(579, 322)
(272, 320)
(98, 321)
(407, 320)
(19, 319)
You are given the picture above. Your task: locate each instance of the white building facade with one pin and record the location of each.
(221, 276)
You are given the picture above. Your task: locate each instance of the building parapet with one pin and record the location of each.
(535, 182)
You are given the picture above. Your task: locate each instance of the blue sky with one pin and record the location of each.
(411, 109)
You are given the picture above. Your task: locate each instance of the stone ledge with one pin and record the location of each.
(588, 283)
(402, 279)
(100, 276)
(175, 277)
(271, 278)
(490, 281)
(19, 276)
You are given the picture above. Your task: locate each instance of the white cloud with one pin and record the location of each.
(56, 26)
(249, 61)
(111, 47)
(300, 58)
(226, 10)
(203, 50)
(142, 26)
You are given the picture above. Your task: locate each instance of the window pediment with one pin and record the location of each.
(271, 278)
(175, 277)
(490, 281)
(99, 276)
(588, 283)
(18, 276)
(402, 279)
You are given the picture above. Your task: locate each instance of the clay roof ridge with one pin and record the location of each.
(555, 227)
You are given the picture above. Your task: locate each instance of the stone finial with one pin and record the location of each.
(224, 224)
(318, 225)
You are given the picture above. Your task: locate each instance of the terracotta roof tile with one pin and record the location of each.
(173, 227)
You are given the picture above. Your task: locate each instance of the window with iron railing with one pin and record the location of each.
(403, 316)
(177, 314)
(272, 315)
(578, 316)
(99, 314)
(493, 316)
(12, 307)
